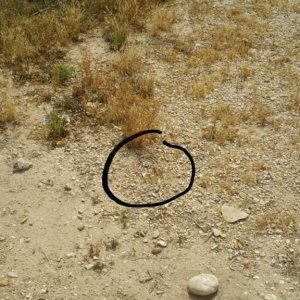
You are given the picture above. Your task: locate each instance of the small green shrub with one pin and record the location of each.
(58, 125)
(59, 74)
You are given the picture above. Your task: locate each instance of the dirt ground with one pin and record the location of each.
(62, 237)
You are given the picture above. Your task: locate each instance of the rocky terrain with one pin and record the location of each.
(227, 76)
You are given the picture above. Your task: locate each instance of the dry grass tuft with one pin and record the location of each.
(208, 56)
(133, 112)
(128, 63)
(245, 72)
(249, 178)
(276, 222)
(224, 114)
(7, 111)
(203, 86)
(220, 133)
(92, 90)
(161, 20)
(234, 40)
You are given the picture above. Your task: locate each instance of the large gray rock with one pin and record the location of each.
(203, 284)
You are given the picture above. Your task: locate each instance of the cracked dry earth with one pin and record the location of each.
(61, 237)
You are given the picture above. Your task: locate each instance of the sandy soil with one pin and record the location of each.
(61, 237)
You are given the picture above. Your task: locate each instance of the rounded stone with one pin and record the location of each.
(203, 284)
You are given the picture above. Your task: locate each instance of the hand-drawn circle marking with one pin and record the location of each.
(113, 154)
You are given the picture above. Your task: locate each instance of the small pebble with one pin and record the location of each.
(270, 297)
(44, 291)
(71, 254)
(156, 250)
(68, 188)
(12, 275)
(80, 227)
(162, 244)
(216, 232)
(89, 266)
(156, 234)
(203, 284)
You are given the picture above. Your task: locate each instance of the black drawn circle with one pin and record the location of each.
(113, 154)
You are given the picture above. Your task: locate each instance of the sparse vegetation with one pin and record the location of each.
(59, 74)
(162, 19)
(57, 125)
(7, 110)
(276, 222)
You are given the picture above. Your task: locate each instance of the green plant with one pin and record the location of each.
(57, 125)
(59, 74)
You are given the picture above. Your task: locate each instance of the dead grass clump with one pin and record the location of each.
(200, 7)
(7, 111)
(220, 133)
(26, 38)
(133, 112)
(261, 113)
(245, 72)
(143, 86)
(260, 166)
(294, 103)
(234, 40)
(208, 55)
(128, 63)
(203, 86)
(283, 222)
(92, 89)
(249, 178)
(224, 114)
(161, 20)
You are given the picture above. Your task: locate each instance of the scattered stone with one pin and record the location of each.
(216, 232)
(2, 238)
(68, 188)
(60, 144)
(203, 284)
(156, 250)
(232, 215)
(4, 282)
(145, 278)
(270, 297)
(81, 227)
(89, 266)
(156, 234)
(44, 291)
(12, 275)
(71, 254)
(162, 244)
(21, 165)
(24, 220)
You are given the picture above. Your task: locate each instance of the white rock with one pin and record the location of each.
(203, 284)
(270, 297)
(22, 165)
(12, 275)
(216, 232)
(161, 244)
(71, 254)
(232, 214)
